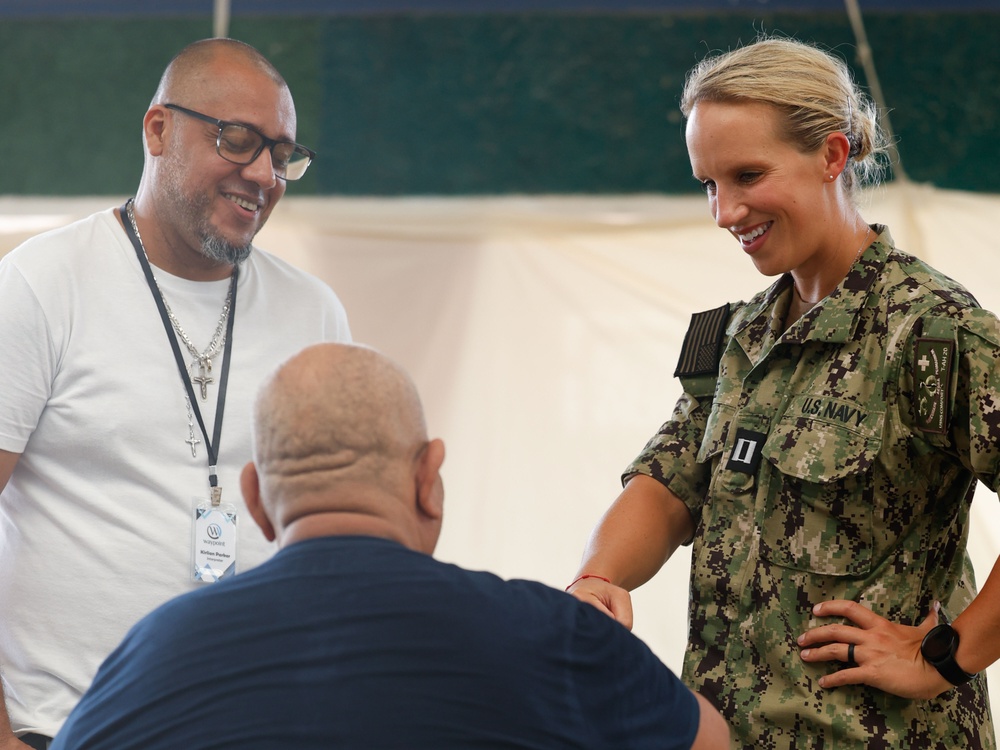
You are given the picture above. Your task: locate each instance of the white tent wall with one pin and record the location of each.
(543, 333)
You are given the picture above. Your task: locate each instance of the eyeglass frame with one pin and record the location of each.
(265, 142)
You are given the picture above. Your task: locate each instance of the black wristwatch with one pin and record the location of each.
(938, 649)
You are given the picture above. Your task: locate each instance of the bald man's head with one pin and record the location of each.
(339, 432)
(193, 68)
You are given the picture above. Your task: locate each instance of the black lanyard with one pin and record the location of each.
(213, 444)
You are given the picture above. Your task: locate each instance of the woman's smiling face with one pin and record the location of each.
(770, 196)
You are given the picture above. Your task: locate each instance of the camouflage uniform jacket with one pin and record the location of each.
(832, 460)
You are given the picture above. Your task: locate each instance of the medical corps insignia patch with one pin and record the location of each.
(932, 378)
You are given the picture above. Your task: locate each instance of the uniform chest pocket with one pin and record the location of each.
(818, 510)
(722, 421)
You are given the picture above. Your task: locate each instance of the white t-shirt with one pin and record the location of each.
(96, 520)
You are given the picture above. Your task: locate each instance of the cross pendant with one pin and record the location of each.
(192, 441)
(203, 378)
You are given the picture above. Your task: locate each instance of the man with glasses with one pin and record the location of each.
(132, 343)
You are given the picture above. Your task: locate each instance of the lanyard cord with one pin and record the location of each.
(213, 444)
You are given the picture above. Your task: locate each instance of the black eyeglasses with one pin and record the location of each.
(241, 144)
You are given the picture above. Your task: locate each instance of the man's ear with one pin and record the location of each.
(153, 127)
(250, 484)
(430, 488)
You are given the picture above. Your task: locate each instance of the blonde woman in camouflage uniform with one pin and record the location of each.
(822, 457)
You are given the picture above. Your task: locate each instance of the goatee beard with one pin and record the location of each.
(217, 249)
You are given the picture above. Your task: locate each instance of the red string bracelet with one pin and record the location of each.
(587, 575)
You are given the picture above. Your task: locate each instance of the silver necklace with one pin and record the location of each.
(864, 244)
(202, 360)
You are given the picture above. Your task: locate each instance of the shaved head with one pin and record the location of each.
(339, 429)
(191, 69)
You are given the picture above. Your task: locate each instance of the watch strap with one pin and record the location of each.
(946, 664)
(950, 670)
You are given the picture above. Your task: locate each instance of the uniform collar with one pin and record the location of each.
(834, 319)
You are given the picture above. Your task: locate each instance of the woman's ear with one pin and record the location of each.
(835, 153)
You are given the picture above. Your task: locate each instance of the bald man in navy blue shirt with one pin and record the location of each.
(353, 635)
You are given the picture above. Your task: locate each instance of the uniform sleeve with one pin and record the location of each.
(27, 359)
(671, 455)
(630, 697)
(956, 408)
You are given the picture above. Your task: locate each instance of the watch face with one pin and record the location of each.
(939, 644)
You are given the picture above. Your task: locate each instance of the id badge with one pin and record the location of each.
(213, 545)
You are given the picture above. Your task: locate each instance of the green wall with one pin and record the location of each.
(479, 104)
